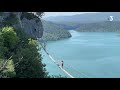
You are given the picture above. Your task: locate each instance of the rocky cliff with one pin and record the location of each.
(28, 22)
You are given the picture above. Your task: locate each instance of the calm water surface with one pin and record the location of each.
(86, 54)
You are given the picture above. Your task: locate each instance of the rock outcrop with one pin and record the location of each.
(32, 28)
(28, 22)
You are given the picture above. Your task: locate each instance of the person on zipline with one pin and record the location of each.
(62, 63)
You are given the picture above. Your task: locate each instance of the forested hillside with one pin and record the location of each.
(54, 31)
(107, 26)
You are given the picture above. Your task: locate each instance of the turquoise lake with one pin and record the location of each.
(86, 54)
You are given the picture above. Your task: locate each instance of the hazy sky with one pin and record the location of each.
(47, 14)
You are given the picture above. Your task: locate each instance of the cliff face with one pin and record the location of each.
(30, 23)
(32, 28)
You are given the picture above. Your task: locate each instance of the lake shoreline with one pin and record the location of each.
(95, 54)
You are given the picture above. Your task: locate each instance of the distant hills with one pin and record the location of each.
(54, 31)
(88, 21)
(55, 28)
(84, 18)
(106, 26)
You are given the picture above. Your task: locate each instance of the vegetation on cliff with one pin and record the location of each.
(25, 60)
(19, 56)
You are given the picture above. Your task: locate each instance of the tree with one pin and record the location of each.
(30, 66)
(10, 37)
(10, 40)
(3, 49)
(7, 68)
(26, 62)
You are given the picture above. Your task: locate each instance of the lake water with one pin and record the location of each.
(86, 54)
